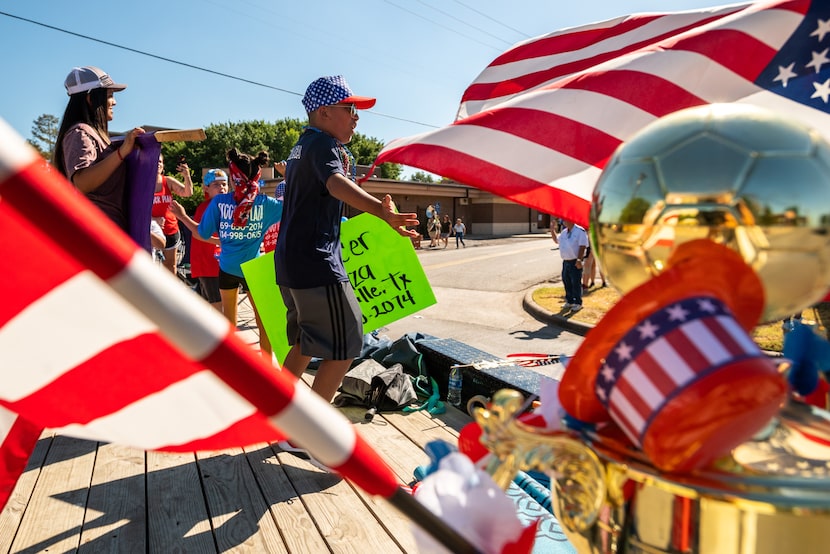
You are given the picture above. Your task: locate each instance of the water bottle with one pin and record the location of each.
(454, 386)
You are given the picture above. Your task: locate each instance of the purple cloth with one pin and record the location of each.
(142, 172)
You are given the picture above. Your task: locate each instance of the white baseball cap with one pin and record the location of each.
(83, 79)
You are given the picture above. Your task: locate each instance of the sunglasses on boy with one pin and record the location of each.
(351, 107)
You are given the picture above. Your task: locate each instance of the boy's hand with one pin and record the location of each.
(399, 221)
(177, 209)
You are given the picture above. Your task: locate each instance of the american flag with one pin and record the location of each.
(540, 122)
(671, 349)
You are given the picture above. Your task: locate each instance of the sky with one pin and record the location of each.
(192, 63)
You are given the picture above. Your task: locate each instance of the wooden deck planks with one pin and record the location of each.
(177, 516)
(297, 527)
(55, 513)
(82, 496)
(344, 521)
(115, 518)
(239, 515)
(398, 450)
(12, 514)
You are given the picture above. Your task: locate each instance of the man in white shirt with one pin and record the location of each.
(573, 244)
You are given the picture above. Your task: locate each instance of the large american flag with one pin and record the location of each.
(671, 349)
(539, 123)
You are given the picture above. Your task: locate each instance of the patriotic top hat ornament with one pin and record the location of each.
(673, 364)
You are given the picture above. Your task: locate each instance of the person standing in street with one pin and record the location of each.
(446, 227)
(573, 243)
(434, 229)
(458, 230)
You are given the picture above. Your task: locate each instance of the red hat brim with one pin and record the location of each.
(360, 102)
(699, 267)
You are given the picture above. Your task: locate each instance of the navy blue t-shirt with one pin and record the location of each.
(308, 248)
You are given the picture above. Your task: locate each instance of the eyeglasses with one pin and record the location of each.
(351, 107)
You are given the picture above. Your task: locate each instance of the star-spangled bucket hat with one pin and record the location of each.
(672, 364)
(327, 91)
(83, 79)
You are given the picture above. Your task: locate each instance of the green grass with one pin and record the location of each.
(596, 302)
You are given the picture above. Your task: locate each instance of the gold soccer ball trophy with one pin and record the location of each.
(737, 175)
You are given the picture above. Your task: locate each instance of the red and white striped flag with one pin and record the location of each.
(100, 343)
(17, 441)
(539, 123)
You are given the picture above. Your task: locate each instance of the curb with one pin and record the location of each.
(546, 316)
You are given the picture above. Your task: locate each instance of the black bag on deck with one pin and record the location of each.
(402, 351)
(376, 387)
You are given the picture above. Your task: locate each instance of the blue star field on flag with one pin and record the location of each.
(801, 69)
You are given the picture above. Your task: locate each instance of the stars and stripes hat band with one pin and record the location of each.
(671, 349)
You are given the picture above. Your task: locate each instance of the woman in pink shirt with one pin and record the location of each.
(84, 153)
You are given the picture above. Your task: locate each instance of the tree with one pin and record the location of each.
(45, 134)
(421, 177)
(391, 171)
(366, 149)
(276, 138)
(250, 137)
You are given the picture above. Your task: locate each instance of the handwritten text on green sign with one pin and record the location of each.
(384, 270)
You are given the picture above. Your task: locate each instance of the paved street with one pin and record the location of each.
(479, 292)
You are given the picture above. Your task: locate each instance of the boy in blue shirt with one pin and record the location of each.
(324, 318)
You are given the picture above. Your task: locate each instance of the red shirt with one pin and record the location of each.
(204, 256)
(161, 208)
(269, 239)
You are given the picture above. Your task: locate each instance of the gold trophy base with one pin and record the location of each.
(770, 496)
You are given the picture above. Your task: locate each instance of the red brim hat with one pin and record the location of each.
(360, 102)
(674, 363)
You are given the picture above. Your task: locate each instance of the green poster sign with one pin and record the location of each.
(384, 270)
(382, 266)
(261, 278)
